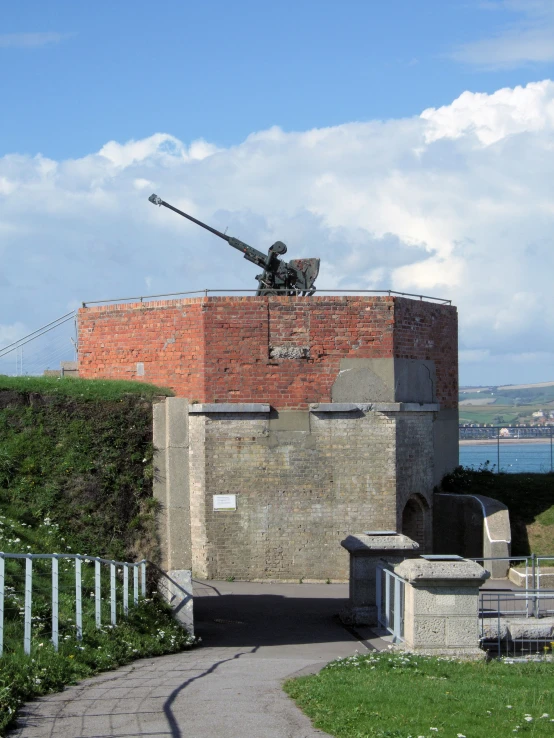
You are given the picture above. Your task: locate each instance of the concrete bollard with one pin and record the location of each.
(441, 605)
(366, 550)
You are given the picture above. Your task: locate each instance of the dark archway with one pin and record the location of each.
(414, 520)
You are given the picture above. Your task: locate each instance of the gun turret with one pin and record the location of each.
(278, 277)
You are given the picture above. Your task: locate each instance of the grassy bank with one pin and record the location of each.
(75, 477)
(386, 695)
(529, 498)
(80, 452)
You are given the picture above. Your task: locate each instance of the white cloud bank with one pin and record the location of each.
(458, 202)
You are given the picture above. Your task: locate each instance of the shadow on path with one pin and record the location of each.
(167, 708)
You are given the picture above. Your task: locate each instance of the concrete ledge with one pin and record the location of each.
(377, 407)
(512, 629)
(229, 407)
(362, 542)
(517, 576)
(441, 573)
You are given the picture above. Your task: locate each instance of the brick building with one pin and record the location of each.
(323, 415)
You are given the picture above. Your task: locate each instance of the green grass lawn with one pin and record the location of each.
(394, 695)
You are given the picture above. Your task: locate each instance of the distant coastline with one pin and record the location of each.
(507, 441)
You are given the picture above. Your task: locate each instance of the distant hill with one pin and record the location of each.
(508, 403)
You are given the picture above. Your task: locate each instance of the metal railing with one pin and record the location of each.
(501, 631)
(389, 594)
(206, 292)
(534, 443)
(124, 567)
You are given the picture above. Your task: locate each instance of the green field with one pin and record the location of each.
(505, 405)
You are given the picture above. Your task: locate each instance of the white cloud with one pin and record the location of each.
(527, 40)
(456, 203)
(31, 40)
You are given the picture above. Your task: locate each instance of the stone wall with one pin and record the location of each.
(302, 479)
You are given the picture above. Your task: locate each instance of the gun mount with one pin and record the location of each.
(296, 277)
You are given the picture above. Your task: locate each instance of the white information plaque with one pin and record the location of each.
(225, 502)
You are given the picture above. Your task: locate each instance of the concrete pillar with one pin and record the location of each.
(171, 482)
(366, 550)
(171, 489)
(441, 605)
(175, 587)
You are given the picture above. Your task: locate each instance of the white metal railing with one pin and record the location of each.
(78, 558)
(389, 594)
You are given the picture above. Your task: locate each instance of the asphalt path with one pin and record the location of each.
(253, 637)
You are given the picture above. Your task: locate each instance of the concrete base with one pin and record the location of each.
(175, 587)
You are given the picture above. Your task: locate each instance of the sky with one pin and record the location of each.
(410, 145)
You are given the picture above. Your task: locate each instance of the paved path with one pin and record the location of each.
(254, 636)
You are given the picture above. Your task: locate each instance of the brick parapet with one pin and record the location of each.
(285, 351)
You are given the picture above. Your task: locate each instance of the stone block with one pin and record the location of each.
(462, 632)
(428, 632)
(175, 586)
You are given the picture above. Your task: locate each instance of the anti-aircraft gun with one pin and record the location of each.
(295, 277)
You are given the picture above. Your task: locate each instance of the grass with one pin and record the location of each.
(76, 477)
(529, 498)
(82, 389)
(394, 695)
(85, 460)
(150, 629)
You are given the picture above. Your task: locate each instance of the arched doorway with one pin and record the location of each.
(414, 520)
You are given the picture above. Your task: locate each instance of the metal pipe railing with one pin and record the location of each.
(206, 292)
(55, 587)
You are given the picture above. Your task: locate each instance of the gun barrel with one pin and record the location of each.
(158, 201)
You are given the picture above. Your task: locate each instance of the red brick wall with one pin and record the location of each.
(229, 349)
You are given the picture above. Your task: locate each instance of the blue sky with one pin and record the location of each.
(407, 143)
(220, 70)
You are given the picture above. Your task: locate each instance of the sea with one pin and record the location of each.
(513, 457)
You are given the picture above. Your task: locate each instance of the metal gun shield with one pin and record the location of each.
(307, 271)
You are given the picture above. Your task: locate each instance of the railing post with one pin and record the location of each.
(55, 602)
(387, 599)
(135, 584)
(78, 600)
(28, 603)
(535, 600)
(125, 590)
(397, 610)
(378, 595)
(143, 577)
(2, 584)
(112, 593)
(97, 594)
